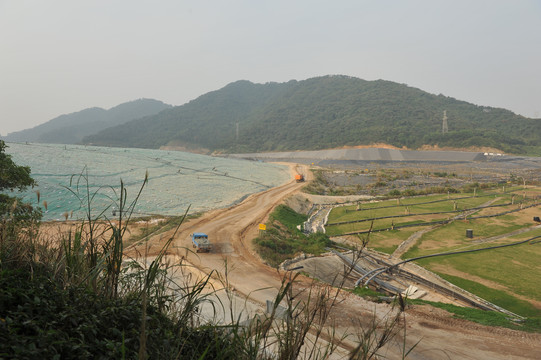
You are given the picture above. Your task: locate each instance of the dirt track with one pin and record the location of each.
(441, 337)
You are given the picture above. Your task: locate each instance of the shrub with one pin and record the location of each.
(395, 193)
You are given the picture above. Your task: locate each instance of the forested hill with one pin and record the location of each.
(71, 128)
(324, 112)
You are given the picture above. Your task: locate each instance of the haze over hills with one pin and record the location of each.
(324, 112)
(71, 128)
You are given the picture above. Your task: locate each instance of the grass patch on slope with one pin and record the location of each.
(489, 318)
(388, 241)
(282, 240)
(514, 269)
(498, 297)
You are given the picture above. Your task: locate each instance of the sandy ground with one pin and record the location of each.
(231, 231)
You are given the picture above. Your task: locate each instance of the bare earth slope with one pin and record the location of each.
(441, 337)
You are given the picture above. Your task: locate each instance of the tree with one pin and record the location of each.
(14, 177)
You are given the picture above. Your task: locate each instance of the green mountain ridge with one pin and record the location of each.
(72, 128)
(324, 112)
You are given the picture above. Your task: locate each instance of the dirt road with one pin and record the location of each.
(441, 337)
(231, 232)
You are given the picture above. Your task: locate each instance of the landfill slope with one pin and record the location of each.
(365, 154)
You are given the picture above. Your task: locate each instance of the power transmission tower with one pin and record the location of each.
(444, 127)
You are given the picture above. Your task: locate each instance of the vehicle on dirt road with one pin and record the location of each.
(200, 242)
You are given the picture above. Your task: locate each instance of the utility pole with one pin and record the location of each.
(444, 127)
(237, 131)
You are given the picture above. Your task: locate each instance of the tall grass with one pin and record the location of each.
(73, 293)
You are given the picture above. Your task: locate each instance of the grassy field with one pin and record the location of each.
(508, 277)
(399, 212)
(388, 241)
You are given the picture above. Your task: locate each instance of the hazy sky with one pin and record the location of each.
(61, 56)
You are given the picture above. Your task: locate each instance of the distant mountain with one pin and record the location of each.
(72, 128)
(324, 112)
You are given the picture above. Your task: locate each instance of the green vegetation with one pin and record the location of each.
(364, 211)
(510, 272)
(282, 240)
(489, 318)
(324, 112)
(12, 176)
(41, 318)
(498, 297)
(12, 210)
(74, 295)
(288, 217)
(388, 241)
(367, 293)
(454, 238)
(425, 209)
(506, 276)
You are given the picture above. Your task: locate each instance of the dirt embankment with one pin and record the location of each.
(482, 149)
(426, 148)
(422, 148)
